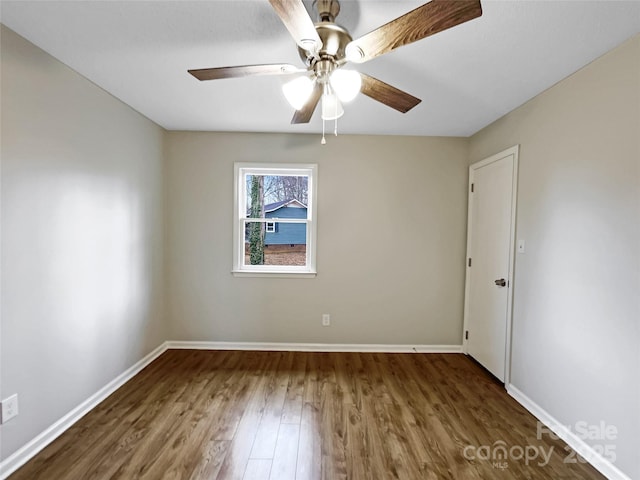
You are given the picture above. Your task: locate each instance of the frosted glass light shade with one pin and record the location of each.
(298, 91)
(331, 107)
(346, 83)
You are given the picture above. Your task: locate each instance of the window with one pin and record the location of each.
(274, 231)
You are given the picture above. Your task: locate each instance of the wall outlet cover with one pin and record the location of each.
(9, 408)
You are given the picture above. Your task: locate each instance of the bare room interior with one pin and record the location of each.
(294, 239)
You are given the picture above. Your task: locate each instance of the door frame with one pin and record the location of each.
(515, 150)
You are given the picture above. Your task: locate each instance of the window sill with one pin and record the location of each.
(274, 274)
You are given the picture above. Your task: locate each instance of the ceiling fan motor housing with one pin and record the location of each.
(334, 42)
(334, 39)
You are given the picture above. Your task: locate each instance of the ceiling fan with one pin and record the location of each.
(326, 47)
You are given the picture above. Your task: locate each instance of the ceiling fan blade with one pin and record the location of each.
(430, 18)
(385, 93)
(306, 112)
(297, 20)
(244, 71)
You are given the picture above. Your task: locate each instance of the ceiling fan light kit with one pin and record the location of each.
(325, 47)
(331, 106)
(346, 83)
(298, 91)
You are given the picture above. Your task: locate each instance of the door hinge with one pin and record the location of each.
(466, 335)
(472, 188)
(469, 261)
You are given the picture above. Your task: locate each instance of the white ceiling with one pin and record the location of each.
(467, 76)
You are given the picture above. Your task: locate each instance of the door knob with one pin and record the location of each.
(501, 282)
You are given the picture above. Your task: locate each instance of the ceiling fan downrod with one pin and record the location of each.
(327, 10)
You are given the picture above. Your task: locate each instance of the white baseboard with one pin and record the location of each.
(28, 451)
(314, 347)
(587, 452)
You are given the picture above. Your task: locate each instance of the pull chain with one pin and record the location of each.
(335, 126)
(323, 141)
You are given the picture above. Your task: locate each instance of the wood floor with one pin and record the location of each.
(284, 415)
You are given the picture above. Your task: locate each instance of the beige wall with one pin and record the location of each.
(391, 241)
(576, 339)
(81, 238)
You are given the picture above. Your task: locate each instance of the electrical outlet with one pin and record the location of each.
(326, 319)
(9, 408)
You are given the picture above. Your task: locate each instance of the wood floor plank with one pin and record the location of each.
(149, 452)
(360, 465)
(286, 453)
(312, 378)
(264, 444)
(221, 415)
(237, 457)
(258, 469)
(211, 457)
(333, 428)
(292, 409)
(181, 454)
(344, 381)
(309, 466)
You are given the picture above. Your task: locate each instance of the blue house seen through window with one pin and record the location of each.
(279, 233)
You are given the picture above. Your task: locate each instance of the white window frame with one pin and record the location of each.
(270, 227)
(241, 170)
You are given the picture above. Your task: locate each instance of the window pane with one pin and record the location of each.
(277, 196)
(286, 246)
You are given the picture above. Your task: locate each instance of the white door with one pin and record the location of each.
(491, 228)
